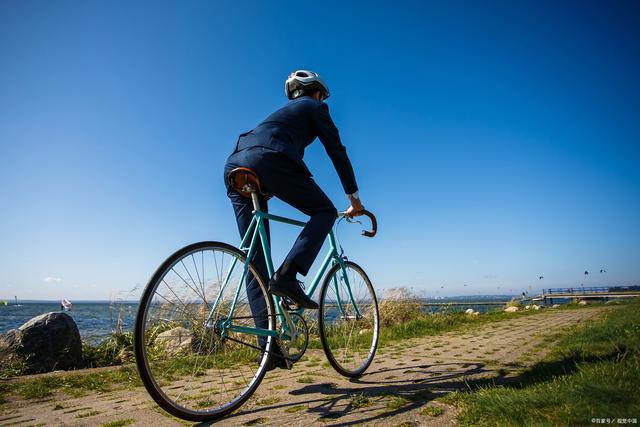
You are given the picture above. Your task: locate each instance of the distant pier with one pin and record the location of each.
(604, 293)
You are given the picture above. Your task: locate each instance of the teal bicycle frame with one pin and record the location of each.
(257, 229)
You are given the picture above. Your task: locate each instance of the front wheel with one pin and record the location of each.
(348, 319)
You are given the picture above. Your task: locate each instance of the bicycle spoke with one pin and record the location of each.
(348, 319)
(194, 369)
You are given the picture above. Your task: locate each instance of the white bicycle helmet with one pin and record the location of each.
(301, 81)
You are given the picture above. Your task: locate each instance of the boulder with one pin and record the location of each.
(511, 309)
(582, 302)
(45, 343)
(555, 306)
(469, 311)
(175, 340)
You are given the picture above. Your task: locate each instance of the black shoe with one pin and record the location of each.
(287, 286)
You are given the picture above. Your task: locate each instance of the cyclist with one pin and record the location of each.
(275, 150)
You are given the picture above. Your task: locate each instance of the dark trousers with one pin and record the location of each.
(283, 178)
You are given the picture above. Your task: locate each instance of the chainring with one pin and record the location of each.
(295, 348)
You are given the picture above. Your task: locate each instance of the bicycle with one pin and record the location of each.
(198, 348)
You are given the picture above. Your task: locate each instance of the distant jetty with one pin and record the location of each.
(597, 293)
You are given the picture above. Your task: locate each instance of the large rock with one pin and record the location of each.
(45, 343)
(175, 340)
(511, 309)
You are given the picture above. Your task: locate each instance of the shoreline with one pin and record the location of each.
(394, 391)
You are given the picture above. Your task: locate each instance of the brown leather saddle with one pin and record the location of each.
(245, 181)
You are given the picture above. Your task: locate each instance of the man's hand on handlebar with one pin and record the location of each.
(356, 207)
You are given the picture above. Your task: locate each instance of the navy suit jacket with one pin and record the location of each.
(292, 128)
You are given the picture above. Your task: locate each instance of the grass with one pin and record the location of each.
(360, 400)
(268, 401)
(306, 379)
(432, 411)
(73, 384)
(119, 423)
(88, 414)
(294, 409)
(593, 372)
(115, 350)
(397, 402)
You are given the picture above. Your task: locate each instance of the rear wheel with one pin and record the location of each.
(348, 319)
(188, 365)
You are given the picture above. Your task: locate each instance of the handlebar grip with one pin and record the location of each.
(374, 224)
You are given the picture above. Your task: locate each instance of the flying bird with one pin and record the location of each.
(586, 272)
(602, 270)
(541, 277)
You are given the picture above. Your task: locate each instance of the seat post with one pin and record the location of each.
(254, 199)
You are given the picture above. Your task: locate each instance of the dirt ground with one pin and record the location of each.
(404, 380)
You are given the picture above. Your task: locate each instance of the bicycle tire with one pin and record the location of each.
(328, 322)
(153, 379)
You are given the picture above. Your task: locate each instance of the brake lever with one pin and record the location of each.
(352, 221)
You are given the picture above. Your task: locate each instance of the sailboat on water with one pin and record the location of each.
(65, 305)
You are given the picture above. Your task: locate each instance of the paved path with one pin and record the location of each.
(403, 380)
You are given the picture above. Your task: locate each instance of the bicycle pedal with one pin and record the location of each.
(288, 304)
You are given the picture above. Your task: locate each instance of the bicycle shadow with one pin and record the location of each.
(421, 384)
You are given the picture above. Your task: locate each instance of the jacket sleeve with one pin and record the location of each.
(330, 138)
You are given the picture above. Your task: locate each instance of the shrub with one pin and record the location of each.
(115, 350)
(514, 303)
(399, 306)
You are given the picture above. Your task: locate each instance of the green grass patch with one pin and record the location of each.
(11, 366)
(360, 400)
(591, 373)
(397, 402)
(294, 409)
(73, 384)
(88, 414)
(268, 401)
(119, 423)
(432, 411)
(306, 379)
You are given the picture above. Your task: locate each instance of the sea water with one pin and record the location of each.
(95, 320)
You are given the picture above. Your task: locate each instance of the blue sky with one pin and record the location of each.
(495, 141)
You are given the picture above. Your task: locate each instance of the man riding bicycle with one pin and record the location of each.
(275, 150)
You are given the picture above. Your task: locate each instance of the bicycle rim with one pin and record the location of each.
(186, 365)
(349, 336)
